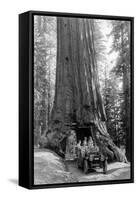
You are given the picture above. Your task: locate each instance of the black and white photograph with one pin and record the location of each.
(82, 102)
(68, 100)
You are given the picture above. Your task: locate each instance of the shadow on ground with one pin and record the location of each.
(13, 181)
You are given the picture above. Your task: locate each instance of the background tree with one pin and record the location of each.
(44, 60)
(121, 71)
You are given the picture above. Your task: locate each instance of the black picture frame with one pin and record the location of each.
(26, 95)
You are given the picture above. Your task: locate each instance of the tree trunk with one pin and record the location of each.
(126, 90)
(77, 94)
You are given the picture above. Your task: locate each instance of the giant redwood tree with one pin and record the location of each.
(77, 95)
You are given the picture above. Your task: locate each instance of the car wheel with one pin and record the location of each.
(105, 166)
(85, 166)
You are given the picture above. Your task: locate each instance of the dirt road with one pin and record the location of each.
(116, 171)
(49, 168)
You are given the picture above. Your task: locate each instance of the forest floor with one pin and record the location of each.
(50, 168)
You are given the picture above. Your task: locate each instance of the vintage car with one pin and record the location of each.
(91, 160)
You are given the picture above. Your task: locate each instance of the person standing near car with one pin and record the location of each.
(84, 147)
(78, 148)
